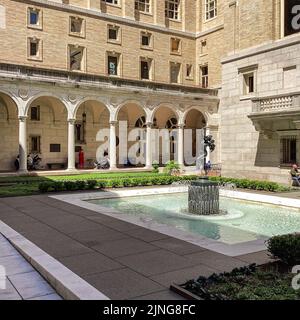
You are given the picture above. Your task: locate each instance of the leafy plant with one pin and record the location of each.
(155, 166)
(91, 184)
(44, 187)
(172, 168)
(286, 248)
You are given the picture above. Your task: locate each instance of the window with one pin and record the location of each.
(113, 33)
(142, 5)
(172, 9)
(113, 64)
(34, 18)
(175, 46)
(189, 71)
(34, 48)
(175, 72)
(146, 69)
(111, 1)
(171, 123)
(55, 147)
(76, 58)
(210, 9)
(203, 47)
(77, 26)
(141, 122)
(35, 144)
(249, 86)
(146, 40)
(35, 113)
(204, 76)
(248, 76)
(288, 150)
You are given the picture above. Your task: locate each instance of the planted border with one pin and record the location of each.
(79, 185)
(252, 184)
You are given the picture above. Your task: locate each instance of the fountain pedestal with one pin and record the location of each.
(204, 197)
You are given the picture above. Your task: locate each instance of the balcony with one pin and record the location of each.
(276, 113)
(281, 104)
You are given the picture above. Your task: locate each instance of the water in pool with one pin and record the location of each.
(245, 221)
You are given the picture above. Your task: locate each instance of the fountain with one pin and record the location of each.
(204, 197)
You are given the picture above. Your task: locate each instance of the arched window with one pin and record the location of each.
(141, 122)
(171, 123)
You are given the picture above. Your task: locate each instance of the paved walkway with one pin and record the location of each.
(120, 259)
(21, 281)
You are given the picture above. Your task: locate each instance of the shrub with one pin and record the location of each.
(91, 184)
(286, 248)
(252, 184)
(117, 183)
(58, 186)
(44, 187)
(70, 185)
(172, 167)
(155, 166)
(127, 182)
(80, 185)
(101, 184)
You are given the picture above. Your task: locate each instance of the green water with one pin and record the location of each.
(245, 221)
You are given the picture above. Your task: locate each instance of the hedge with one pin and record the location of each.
(110, 183)
(252, 184)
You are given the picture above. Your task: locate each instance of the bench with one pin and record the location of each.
(56, 164)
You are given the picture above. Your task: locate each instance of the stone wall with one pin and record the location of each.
(245, 151)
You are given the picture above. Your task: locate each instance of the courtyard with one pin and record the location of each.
(149, 150)
(123, 252)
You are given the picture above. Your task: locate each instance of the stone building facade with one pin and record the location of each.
(69, 68)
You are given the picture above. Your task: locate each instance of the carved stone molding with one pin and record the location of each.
(23, 94)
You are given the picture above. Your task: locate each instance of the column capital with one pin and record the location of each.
(22, 118)
(71, 121)
(180, 125)
(113, 123)
(149, 124)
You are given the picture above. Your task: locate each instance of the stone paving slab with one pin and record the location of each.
(120, 259)
(90, 263)
(124, 247)
(123, 284)
(22, 281)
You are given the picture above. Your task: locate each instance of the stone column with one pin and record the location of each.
(149, 146)
(71, 144)
(112, 145)
(23, 144)
(180, 145)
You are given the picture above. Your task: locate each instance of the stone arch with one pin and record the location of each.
(129, 102)
(204, 113)
(170, 111)
(6, 101)
(130, 111)
(87, 99)
(9, 142)
(92, 116)
(45, 95)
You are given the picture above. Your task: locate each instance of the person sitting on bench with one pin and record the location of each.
(295, 174)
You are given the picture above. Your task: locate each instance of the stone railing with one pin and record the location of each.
(276, 103)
